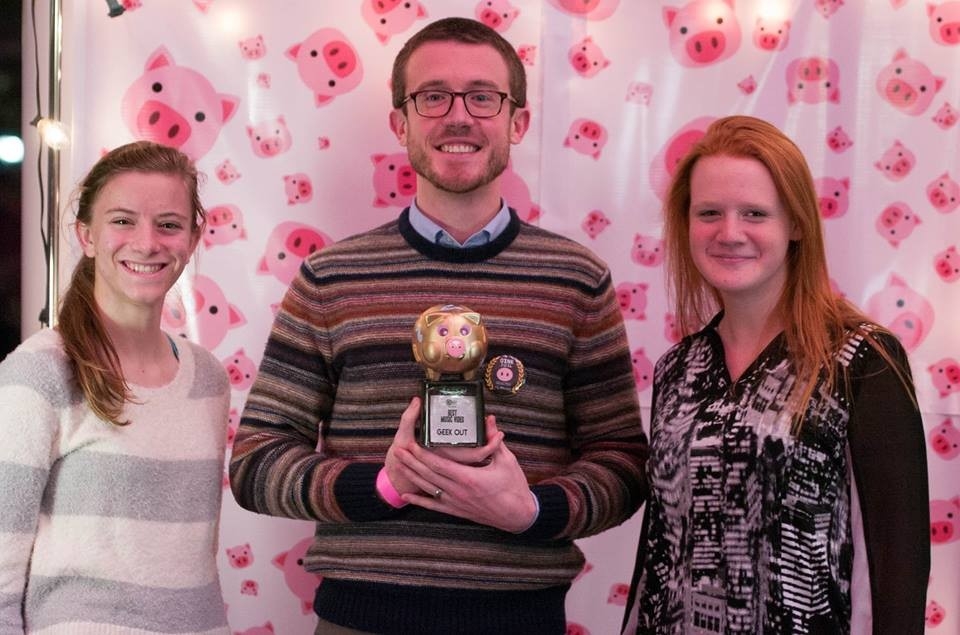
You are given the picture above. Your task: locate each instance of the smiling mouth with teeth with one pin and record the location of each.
(458, 148)
(138, 268)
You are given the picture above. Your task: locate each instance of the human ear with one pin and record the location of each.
(398, 124)
(85, 238)
(519, 123)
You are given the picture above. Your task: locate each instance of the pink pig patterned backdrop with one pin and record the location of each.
(298, 153)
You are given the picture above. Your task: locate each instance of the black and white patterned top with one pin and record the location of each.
(749, 528)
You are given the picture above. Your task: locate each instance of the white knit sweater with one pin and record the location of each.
(108, 529)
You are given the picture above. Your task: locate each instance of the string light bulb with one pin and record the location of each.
(53, 133)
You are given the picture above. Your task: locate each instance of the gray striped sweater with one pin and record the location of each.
(338, 370)
(108, 529)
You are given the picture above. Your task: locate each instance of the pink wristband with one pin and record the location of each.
(387, 491)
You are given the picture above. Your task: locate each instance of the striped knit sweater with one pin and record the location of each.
(108, 529)
(338, 369)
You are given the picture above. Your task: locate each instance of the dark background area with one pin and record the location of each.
(10, 194)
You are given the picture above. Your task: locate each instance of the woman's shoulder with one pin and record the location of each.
(40, 364)
(209, 375)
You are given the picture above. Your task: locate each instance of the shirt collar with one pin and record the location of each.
(433, 232)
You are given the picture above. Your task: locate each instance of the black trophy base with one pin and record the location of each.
(452, 414)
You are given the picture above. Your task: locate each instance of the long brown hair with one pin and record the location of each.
(816, 318)
(86, 342)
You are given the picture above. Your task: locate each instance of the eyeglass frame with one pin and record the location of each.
(504, 97)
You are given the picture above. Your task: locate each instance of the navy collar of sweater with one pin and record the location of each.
(453, 254)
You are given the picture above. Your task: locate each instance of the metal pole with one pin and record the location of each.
(53, 167)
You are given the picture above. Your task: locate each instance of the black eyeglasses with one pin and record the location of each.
(481, 104)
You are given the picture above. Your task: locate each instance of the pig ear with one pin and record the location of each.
(160, 57)
(432, 318)
(473, 317)
(669, 13)
(228, 106)
(236, 317)
(292, 52)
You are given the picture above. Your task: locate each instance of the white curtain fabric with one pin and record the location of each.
(869, 89)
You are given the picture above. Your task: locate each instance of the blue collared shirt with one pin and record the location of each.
(424, 226)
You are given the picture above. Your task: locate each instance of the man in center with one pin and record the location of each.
(447, 540)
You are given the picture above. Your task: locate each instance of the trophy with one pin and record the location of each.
(450, 342)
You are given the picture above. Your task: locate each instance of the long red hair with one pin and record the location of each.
(817, 320)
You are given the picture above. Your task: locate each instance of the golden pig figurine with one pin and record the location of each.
(449, 339)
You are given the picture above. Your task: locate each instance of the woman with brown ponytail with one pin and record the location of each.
(113, 434)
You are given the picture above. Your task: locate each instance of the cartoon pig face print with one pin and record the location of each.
(586, 137)
(827, 8)
(907, 84)
(945, 22)
(702, 32)
(390, 17)
(594, 223)
(896, 222)
(838, 140)
(288, 245)
(587, 58)
(945, 439)
(642, 369)
(200, 312)
(589, 9)
(639, 93)
(240, 370)
(618, 594)
(934, 614)
(944, 193)
(496, 14)
(240, 556)
(270, 138)
(946, 117)
(833, 196)
(527, 54)
(252, 48)
(394, 181)
(771, 34)
(328, 64)
(664, 163)
(747, 85)
(226, 172)
(647, 250)
(176, 106)
(671, 330)
(632, 297)
(902, 310)
(301, 583)
(224, 225)
(947, 264)
(897, 162)
(945, 375)
(812, 80)
(944, 520)
(298, 187)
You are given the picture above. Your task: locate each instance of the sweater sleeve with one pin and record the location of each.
(275, 467)
(889, 464)
(606, 482)
(32, 388)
